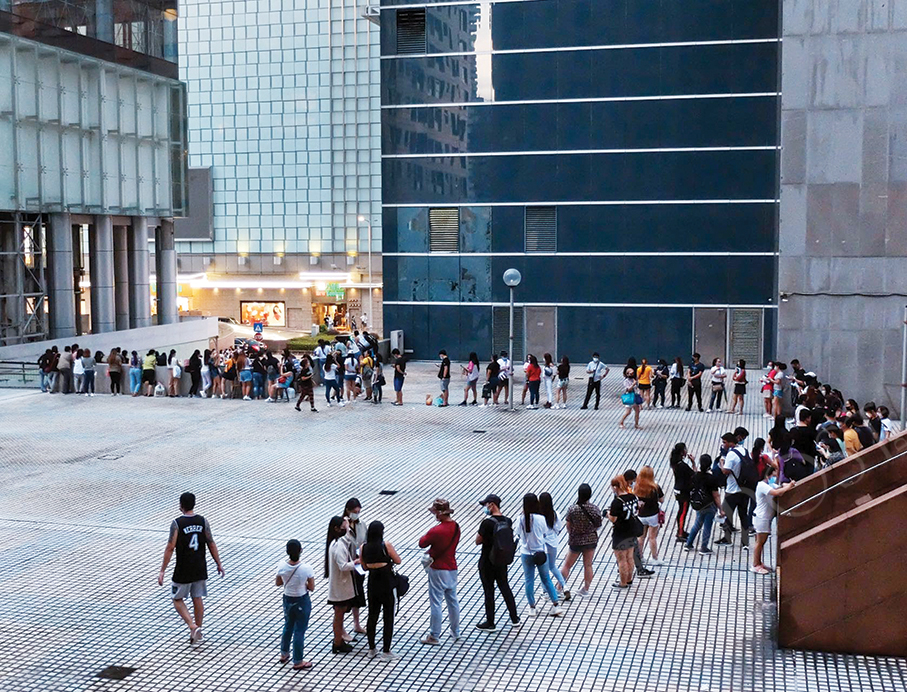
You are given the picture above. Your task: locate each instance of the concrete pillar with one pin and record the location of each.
(121, 275)
(60, 277)
(165, 270)
(12, 283)
(139, 274)
(104, 20)
(100, 267)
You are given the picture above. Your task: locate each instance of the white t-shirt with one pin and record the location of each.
(505, 368)
(533, 541)
(887, 429)
(552, 532)
(732, 464)
(330, 372)
(294, 581)
(595, 370)
(719, 374)
(765, 505)
(77, 367)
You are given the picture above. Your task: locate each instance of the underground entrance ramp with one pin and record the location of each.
(842, 584)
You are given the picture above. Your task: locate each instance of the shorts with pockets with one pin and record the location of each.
(650, 521)
(245, 375)
(445, 384)
(762, 525)
(195, 589)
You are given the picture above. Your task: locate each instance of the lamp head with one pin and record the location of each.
(512, 278)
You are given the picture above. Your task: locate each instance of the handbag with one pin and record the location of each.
(717, 387)
(661, 517)
(628, 399)
(539, 558)
(401, 585)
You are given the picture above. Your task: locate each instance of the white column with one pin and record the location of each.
(139, 274)
(60, 286)
(121, 275)
(100, 268)
(165, 271)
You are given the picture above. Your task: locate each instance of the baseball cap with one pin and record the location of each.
(440, 506)
(491, 499)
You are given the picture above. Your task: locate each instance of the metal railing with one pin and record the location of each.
(18, 375)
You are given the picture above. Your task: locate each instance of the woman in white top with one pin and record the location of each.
(471, 370)
(297, 580)
(350, 370)
(766, 491)
(176, 372)
(338, 569)
(331, 372)
(630, 397)
(719, 375)
(78, 371)
(351, 512)
(549, 371)
(534, 553)
(553, 528)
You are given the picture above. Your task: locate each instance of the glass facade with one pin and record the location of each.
(284, 108)
(651, 129)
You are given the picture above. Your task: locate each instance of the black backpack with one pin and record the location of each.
(503, 547)
(700, 497)
(795, 467)
(748, 477)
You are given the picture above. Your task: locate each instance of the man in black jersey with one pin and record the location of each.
(190, 536)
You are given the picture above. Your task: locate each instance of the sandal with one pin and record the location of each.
(284, 658)
(304, 665)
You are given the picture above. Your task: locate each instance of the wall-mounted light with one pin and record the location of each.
(784, 297)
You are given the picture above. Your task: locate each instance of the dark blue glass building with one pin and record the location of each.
(623, 155)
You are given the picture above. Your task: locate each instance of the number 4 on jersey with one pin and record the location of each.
(193, 542)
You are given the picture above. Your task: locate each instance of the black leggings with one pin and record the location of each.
(115, 382)
(659, 386)
(196, 381)
(676, 388)
(379, 599)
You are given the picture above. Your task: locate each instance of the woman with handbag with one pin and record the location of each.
(298, 581)
(338, 568)
(352, 513)
(534, 554)
(583, 521)
(719, 375)
(651, 515)
(378, 558)
(624, 527)
(630, 398)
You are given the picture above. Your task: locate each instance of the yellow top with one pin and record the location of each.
(644, 374)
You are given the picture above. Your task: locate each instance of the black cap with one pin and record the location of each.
(491, 498)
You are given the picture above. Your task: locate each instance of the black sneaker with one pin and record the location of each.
(723, 542)
(463, 403)
(486, 626)
(473, 403)
(688, 547)
(645, 573)
(343, 648)
(705, 551)
(680, 539)
(314, 410)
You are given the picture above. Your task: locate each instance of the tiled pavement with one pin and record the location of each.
(88, 488)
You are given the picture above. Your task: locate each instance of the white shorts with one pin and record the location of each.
(762, 525)
(650, 521)
(195, 589)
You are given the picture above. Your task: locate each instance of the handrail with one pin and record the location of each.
(843, 482)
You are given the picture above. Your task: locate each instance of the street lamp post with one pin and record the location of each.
(371, 312)
(512, 278)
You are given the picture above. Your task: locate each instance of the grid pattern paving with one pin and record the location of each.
(89, 487)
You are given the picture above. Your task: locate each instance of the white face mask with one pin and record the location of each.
(595, 360)
(354, 516)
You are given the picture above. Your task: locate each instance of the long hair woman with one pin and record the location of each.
(331, 380)
(115, 371)
(677, 380)
(553, 527)
(740, 382)
(534, 555)
(563, 381)
(583, 521)
(352, 513)
(195, 373)
(548, 374)
(533, 380)
(650, 496)
(683, 477)
(338, 569)
(622, 514)
(630, 397)
(471, 370)
(378, 557)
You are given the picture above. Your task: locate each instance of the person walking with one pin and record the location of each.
(534, 381)
(705, 499)
(583, 520)
(630, 398)
(644, 379)
(298, 581)
(471, 370)
(89, 364)
(660, 382)
(740, 382)
(195, 374)
(115, 371)
(694, 382)
(553, 528)
(378, 558)
(352, 512)
(498, 550)
(623, 516)
(718, 377)
(440, 563)
(767, 489)
(596, 371)
(191, 539)
(444, 376)
(651, 515)
(305, 385)
(399, 375)
(683, 475)
(563, 382)
(677, 380)
(338, 568)
(534, 554)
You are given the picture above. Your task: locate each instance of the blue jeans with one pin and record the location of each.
(46, 379)
(552, 566)
(88, 382)
(258, 385)
(442, 586)
(135, 380)
(704, 520)
(529, 570)
(331, 386)
(296, 611)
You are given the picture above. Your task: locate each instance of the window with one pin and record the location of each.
(410, 32)
(541, 229)
(444, 230)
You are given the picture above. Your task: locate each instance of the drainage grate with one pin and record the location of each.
(110, 457)
(116, 673)
(479, 431)
(388, 492)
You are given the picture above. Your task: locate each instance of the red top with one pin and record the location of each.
(533, 372)
(442, 544)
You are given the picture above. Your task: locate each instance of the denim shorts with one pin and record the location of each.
(398, 383)
(245, 375)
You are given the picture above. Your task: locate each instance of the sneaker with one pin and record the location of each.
(645, 573)
(746, 548)
(197, 635)
(430, 640)
(314, 410)
(533, 611)
(371, 653)
(474, 403)
(688, 547)
(583, 592)
(555, 610)
(462, 403)
(486, 626)
(680, 539)
(567, 594)
(658, 563)
(344, 648)
(705, 551)
(516, 623)
(618, 585)
(330, 404)
(723, 542)
(247, 398)
(389, 656)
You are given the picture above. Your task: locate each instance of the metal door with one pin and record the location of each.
(541, 331)
(710, 333)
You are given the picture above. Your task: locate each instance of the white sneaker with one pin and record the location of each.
(342, 404)
(90, 393)
(270, 400)
(389, 656)
(197, 634)
(658, 563)
(555, 611)
(247, 398)
(533, 611)
(372, 653)
(329, 404)
(583, 591)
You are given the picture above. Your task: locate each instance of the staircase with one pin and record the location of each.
(842, 558)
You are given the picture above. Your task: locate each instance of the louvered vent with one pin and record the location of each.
(444, 230)
(541, 229)
(501, 333)
(410, 32)
(746, 336)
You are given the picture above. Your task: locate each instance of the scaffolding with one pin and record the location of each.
(23, 288)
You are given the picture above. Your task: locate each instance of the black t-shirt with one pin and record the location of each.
(803, 440)
(683, 474)
(625, 508)
(696, 369)
(192, 536)
(876, 425)
(865, 435)
(649, 506)
(493, 369)
(401, 364)
(705, 481)
(486, 531)
(444, 370)
(563, 371)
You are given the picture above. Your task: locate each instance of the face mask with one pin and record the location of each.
(488, 511)
(354, 516)
(773, 481)
(595, 360)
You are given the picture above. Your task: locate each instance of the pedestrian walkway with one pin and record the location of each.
(88, 488)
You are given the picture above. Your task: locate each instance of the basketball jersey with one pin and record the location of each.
(191, 550)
